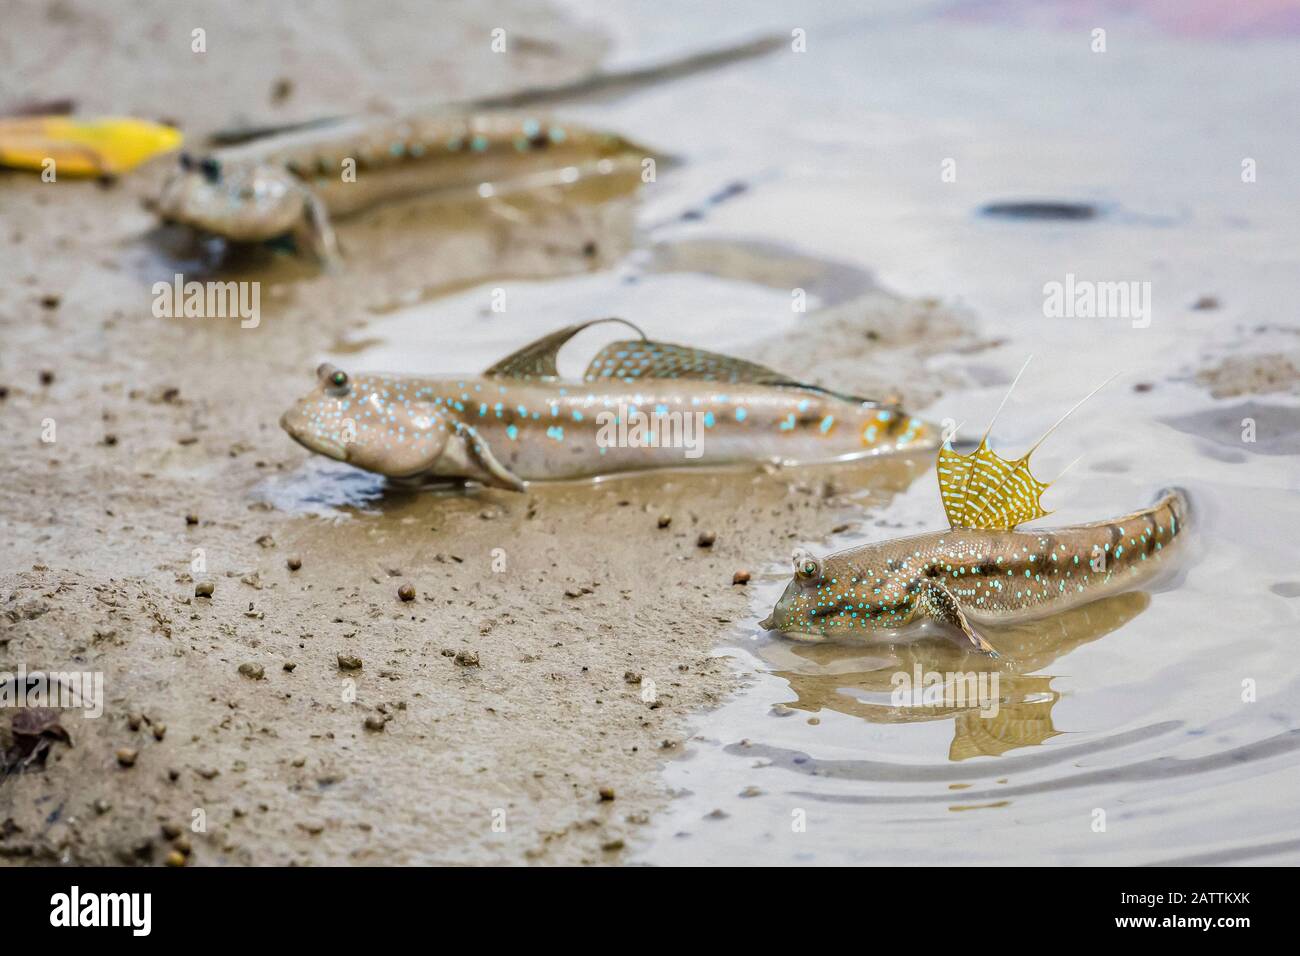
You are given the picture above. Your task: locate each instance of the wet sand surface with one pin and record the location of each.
(494, 715)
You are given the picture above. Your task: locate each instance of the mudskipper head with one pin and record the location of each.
(807, 599)
(371, 421)
(844, 594)
(241, 201)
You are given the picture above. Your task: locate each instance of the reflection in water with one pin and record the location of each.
(452, 239)
(860, 682)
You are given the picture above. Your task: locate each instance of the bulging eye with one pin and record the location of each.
(211, 169)
(807, 569)
(339, 379)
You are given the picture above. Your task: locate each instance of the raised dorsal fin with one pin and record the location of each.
(647, 359)
(536, 360)
(985, 490)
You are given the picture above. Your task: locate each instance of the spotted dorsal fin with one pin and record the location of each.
(536, 360)
(985, 490)
(635, 361)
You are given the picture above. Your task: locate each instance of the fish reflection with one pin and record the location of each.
(863, 683)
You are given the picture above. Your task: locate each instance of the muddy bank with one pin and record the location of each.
(556, 643)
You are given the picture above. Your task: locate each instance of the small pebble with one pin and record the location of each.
(159, 731)
(204, 589)
(606, 793)
(175, 858)
(289, 666)
(740, 577)
(171, 830)
(632, 677)
(255, 671)
(467, 659)
(375, 722)
(126, 756)
(610, 846)
(294, 562)
(349, 662)
(706, 539)
(406, 592)
(665, 520)
(191, 518)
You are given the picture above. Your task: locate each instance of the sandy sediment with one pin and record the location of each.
(493, 716)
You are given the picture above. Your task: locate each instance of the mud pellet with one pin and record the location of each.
(204, 589)
(406, 592)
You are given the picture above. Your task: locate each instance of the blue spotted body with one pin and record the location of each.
(641, 405)
(963, 577)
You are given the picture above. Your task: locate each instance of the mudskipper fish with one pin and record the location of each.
(640, 405)
(297, 183)
(981, 570)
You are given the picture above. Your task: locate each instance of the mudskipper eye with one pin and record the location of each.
(807, 569)
(211, 169)
(339, 379)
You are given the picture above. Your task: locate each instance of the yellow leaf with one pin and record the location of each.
(83, 147)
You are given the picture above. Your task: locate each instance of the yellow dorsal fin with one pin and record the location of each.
(985, 490)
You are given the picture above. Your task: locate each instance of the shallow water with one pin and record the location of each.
(1134, 706)
(1171, 716)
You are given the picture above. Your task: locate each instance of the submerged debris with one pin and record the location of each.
(34, 731)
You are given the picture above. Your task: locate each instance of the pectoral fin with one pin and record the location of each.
(939, 604)
(314, 235)
(491, 471)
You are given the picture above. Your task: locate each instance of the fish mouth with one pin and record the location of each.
(806, 637)
(313, 442)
